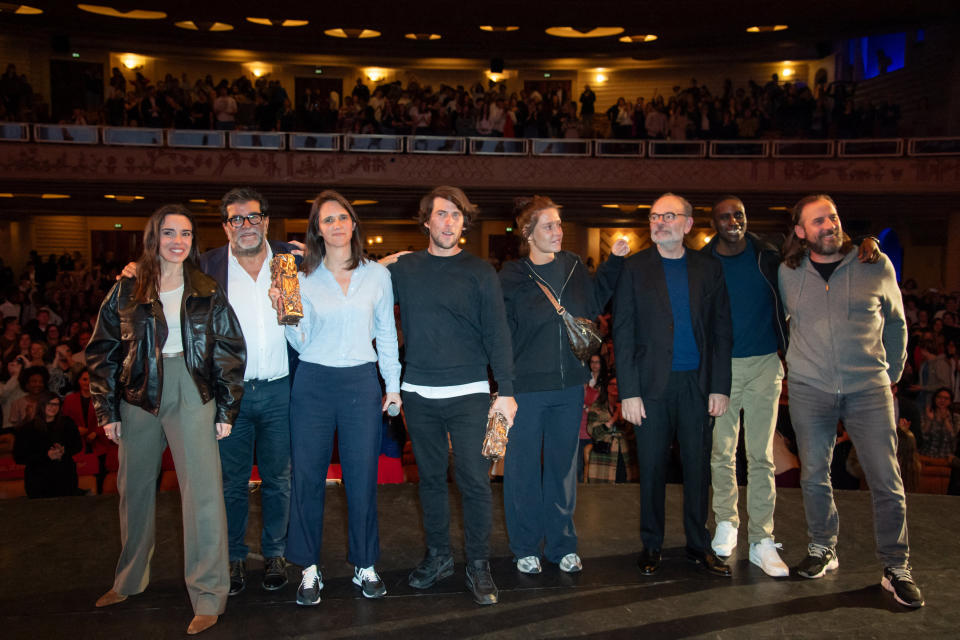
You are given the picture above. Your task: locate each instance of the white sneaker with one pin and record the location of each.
(369, 581)
(309, 592)
(570, 563)
(725, 539)
(764, 554)
(528, 564)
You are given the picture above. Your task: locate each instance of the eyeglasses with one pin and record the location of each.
(254, 219)
(669, 216)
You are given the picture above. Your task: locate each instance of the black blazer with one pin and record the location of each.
(214, 262)
(643, 324)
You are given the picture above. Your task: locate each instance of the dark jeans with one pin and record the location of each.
(539, 499)
(682, 412)
(429, 422)
(345, 401)
(263, 424)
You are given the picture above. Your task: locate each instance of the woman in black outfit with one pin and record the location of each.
(539, 498)
(46, 445)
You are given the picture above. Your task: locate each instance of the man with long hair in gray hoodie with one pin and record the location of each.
(847, 344)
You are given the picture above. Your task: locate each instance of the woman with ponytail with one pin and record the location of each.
(540, 467)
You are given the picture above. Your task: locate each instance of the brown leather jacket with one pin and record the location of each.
(124, 353)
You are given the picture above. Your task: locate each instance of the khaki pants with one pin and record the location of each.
(187, 425)
(756, 389)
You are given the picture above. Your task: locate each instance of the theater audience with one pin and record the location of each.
(775, 109)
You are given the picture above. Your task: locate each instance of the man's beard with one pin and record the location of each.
(822, 248)
(246, 252)
(439, 241)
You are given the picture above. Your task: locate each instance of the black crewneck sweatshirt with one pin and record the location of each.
(453, 319)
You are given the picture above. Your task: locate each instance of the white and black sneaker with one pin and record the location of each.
(899, 582)
(309, 592)
(819, 560)
(368, 580)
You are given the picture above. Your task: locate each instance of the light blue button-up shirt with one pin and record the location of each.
(338, 330)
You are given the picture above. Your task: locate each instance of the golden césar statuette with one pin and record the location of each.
(283, 272)
(495, 441)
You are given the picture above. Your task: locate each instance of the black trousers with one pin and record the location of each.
(682, 412)
(465, 420)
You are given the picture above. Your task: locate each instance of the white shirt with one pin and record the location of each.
(452, 391)
(337, 329)
(171, 312)
(250, 299)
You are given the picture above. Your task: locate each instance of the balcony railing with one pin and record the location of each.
(454, 145)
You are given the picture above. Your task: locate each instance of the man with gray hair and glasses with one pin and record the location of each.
(673, 339)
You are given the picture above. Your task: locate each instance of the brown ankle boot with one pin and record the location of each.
(109, 598)
(201, 623)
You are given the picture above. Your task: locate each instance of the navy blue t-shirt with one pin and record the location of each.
(751, 304)
(686, 354)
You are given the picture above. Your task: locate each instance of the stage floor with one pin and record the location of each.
(57, 556)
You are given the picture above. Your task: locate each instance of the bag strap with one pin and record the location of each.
(553, 301)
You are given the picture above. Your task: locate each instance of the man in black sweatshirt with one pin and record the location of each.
(454, 325)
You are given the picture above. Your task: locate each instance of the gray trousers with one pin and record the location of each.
(187, 425)
(868, 418)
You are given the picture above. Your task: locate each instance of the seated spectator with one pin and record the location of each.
(591, 391)
(52, 336)
(9, 338)
(46, 446)
(934, 370)
(908, 456)
(39, 354)
(34, 382)
(613, 457)
(940, 427)
(37, 328)
(10, 390)
(63, 370)
(78, 407)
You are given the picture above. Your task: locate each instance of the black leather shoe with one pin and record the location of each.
(709, 563)
(434, 567)
(480, 583)
(274, 574)
(649, 561)
(238, 576)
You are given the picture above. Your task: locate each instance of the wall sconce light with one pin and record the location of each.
(375, 74)
(132, 61)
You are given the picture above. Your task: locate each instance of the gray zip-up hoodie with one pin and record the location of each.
(848, 334)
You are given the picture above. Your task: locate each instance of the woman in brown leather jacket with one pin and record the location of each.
(166, 365)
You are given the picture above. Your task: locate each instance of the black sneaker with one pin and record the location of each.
(309, 592)
(480, 583)
(899, 582)
(274, 574)
(238, 576)
(434, 567)
(819, 560)
(368, 580)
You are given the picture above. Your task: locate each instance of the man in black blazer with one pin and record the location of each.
(242, 267)
(673, 340)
